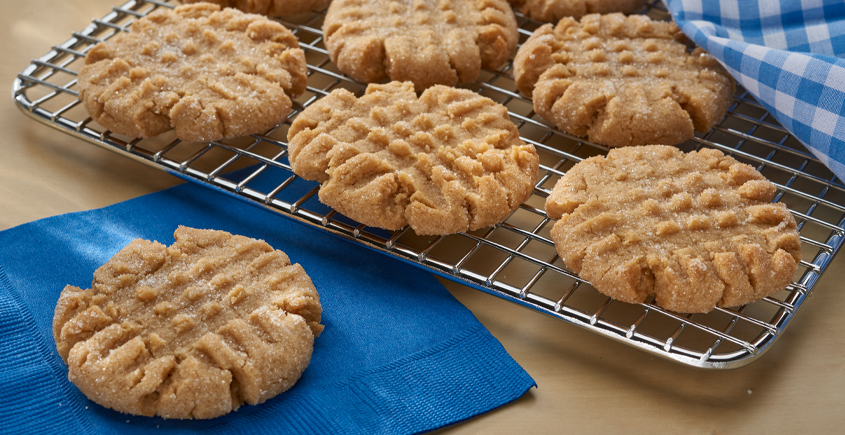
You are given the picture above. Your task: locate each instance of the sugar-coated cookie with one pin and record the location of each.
(211, 74)
(697, 230)
(271, 8)
(193, 330)
(426, 42)
(553, 10)
(622, 80)
(447, 161)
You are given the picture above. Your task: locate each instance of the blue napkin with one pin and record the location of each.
(788, 54)
(398, 355)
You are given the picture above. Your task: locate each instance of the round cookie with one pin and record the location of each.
(553, 10)
(211, 74)
(697, 230)
(446, 162)
(271, 8)
(622, 80)
(193, 330)
(426, 42)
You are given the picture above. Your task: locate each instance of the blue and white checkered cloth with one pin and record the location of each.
(788, 54)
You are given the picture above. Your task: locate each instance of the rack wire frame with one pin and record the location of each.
(514, 260)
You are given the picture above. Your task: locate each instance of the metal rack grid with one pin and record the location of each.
(514, 260)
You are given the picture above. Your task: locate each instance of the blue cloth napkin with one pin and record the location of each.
(398, 355)
(788, 54)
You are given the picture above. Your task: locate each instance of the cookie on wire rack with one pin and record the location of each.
(271, 8)
(447, 161)
(621, 80)
(696, 230)
(553, 10)
(209, 73)
(426, 42)
(193, 330)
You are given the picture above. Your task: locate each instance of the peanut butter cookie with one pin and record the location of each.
(271, 8)
(210, 74)
(193, 330)
(446, 162)
(622, 80)
(426, 42)
(553, 10)
(697, 230)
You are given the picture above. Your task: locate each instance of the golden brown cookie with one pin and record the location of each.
(622, 80)
(271, 8)
(210, 74)
(193, 330)
(553, 10)
(697, 230)
(448, 161)
(426, 42)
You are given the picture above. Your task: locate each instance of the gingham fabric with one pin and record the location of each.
(788, 54)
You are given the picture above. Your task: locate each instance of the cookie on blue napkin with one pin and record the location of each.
(398, 354)
(193, 330)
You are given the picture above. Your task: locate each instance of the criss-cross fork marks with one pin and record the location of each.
(696, 230)
(426, 42)
(189, 331)
(622, 80)
(446, 162)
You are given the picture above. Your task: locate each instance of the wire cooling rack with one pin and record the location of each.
(514, 260)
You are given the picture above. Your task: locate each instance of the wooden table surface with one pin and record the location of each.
(586, 384)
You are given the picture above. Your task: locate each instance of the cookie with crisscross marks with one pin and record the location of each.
(272, 8)
(622, 80)
(193, 330)
(209, 73)
(553, 10)
(697, 230)
(426, 42)
(447, 161)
